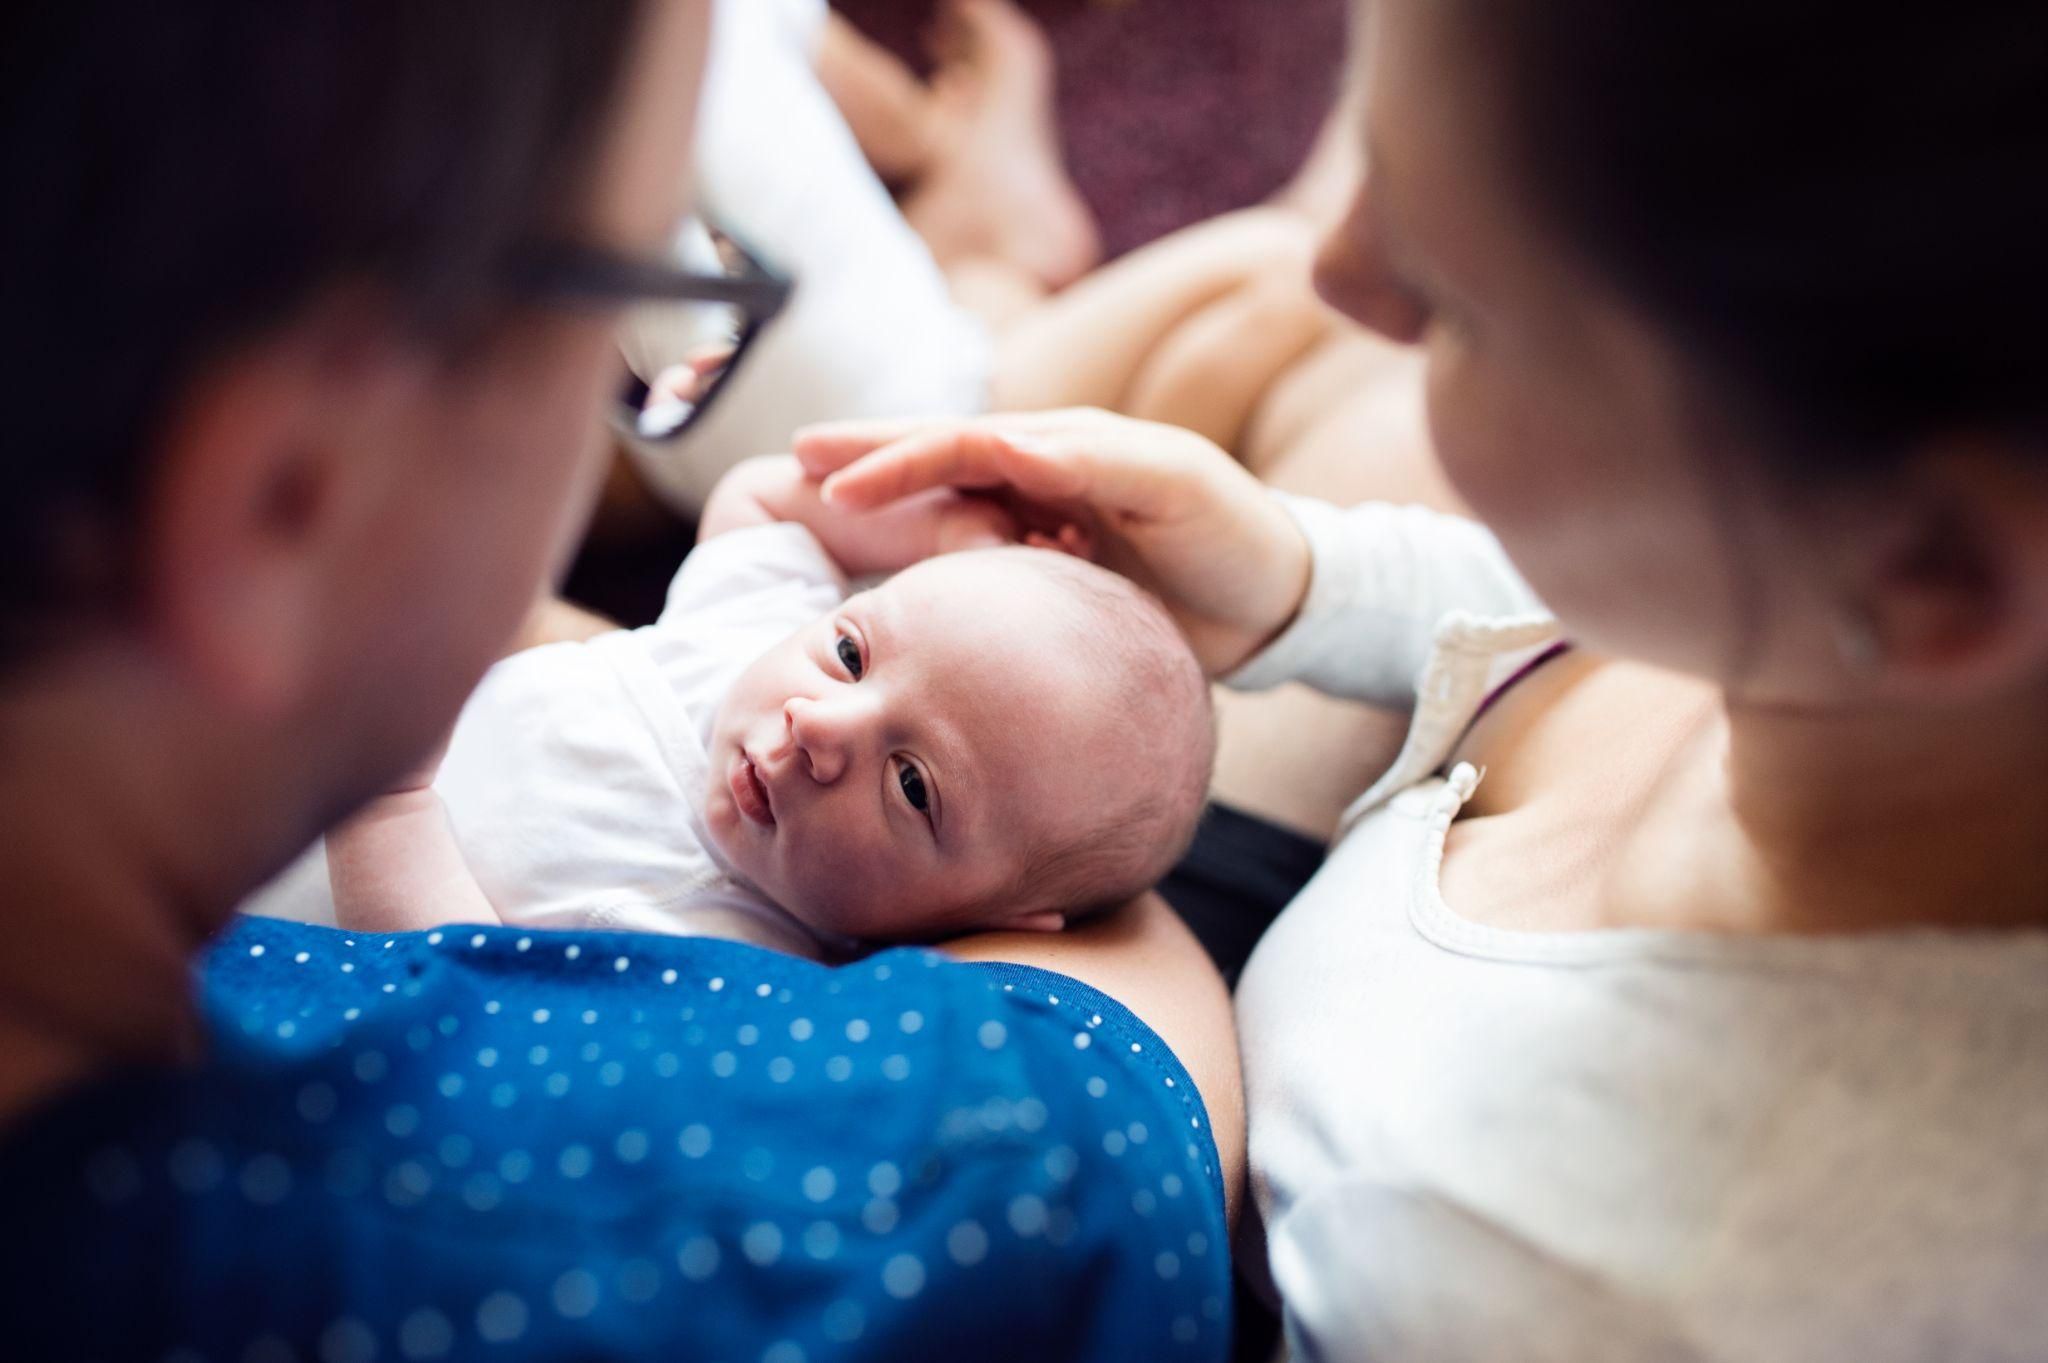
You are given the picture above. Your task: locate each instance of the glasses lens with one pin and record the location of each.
(678, 352)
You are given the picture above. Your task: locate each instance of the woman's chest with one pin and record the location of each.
(1388, 1044)
(1574, 759)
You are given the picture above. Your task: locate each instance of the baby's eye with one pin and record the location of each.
(913, 787)
(849, 656)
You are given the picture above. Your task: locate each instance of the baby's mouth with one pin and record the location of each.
(749, 791)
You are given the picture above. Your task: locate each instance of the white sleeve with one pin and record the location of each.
(1382, 579)
(735, 597)
(777, 569)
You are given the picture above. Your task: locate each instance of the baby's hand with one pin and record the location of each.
(941, 521)
(1065, 539)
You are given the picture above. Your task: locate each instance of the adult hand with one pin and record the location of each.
(909, 530)
(1163, 506)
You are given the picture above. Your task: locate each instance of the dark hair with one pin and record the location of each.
(1841, 211)
(181, 175)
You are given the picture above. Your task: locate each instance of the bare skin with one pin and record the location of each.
(996, 186)
(1623, 796)
(888, 109)
(1740, 771)
(1217, 329)
(974, 152)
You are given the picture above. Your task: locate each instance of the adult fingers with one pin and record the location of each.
(829, 446)
(976, 523)
(973, 458)
(1122, 470)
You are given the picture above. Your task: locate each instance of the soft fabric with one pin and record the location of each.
(871, 330)
(1470, 1143)
(496, 1144)
(577, 776)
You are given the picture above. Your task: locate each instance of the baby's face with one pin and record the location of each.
(895, 761)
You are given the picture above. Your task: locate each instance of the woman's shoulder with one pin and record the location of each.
(522, 1138)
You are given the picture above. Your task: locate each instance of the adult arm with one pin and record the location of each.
(1351, 598)
(1383, 578)
(1144, 957)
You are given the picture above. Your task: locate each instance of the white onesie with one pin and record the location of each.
(577, 773)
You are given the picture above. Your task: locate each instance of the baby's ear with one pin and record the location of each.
(1045, 920)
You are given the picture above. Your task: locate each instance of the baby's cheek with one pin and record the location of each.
(855, 890)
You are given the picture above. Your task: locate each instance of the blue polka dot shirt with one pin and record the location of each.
(493, 1144)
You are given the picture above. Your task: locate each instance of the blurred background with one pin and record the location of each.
(1152, 95)
(1151, 105)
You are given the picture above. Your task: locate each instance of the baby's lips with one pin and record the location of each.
(750, 791)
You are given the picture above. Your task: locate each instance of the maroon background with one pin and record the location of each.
(1172, 110)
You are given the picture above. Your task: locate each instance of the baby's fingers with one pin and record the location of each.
(1077, 541)
(1067, 539)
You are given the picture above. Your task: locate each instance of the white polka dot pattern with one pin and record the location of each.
(949, 1131)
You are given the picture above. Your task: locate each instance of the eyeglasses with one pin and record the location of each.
(701, 317)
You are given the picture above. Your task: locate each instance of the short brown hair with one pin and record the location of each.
(182, 176)
(1149, 671)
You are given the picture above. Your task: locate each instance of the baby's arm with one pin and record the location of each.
(395, 865)
(774, 488)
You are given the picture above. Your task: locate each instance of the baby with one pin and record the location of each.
(1004, 737)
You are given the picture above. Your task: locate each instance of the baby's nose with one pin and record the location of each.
(821, 734)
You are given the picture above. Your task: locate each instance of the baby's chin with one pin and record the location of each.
(827, 913)
(747, 850)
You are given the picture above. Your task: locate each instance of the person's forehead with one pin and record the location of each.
(1009, 630)
(1003, 689)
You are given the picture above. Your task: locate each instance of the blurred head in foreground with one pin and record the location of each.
(295, 441)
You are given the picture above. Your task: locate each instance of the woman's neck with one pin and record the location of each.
(1784, 819)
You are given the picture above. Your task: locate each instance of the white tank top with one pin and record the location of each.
(1472, 1143)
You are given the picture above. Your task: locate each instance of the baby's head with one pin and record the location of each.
(1001, 738)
